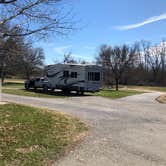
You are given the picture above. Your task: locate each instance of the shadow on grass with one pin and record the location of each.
(57, 93)
(10, 84)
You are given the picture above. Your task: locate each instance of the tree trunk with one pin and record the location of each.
(117, 84)
(2, 80)
(2, 76)
(0, 91)
(27, 75)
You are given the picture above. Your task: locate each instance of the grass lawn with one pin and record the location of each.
(17, 88)
(32, 93)
(13, 83)
(14, 80)
(113, 94)
(30, 136)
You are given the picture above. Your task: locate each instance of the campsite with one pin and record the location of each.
(82, 83)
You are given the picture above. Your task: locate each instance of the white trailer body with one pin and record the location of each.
(73, 77)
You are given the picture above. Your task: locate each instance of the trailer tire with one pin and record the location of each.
(52, 89)
(78, 92)
(63, 90)
(68, 91)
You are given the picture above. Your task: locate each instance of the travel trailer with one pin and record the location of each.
(71, 77)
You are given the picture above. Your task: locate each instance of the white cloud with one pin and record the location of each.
(147, 21)
(63, 49)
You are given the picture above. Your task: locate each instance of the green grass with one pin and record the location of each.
(30, 136)
(17, 88)
(13, 85)
(32, 93)
(14, 80)
(113, 94)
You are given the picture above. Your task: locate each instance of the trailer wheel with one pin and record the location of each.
(52, 89)
(65, 91)
(68, 91)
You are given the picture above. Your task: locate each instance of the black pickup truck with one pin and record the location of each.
(35, 83)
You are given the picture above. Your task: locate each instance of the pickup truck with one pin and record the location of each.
(35, 83)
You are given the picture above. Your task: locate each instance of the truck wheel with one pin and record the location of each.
(45, 88)
(82, 92)
(26, 86)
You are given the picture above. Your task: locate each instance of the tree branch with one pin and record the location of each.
(7, 2)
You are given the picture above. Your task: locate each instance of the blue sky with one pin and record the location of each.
(112, 22)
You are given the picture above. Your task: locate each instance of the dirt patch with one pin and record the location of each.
(161, 99)
(140, 89)
(28, 149)
(3, 103)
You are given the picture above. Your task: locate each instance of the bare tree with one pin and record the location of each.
(154, 61)
(103, 59)
(7, 1)
(69, 59)
(18, 58)
(40, 17)
(10, 50)
(117, 60)
(163, 61)
(32, 62)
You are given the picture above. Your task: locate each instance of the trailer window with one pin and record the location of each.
(97, 76)
(73, 74)
(66, 74)
(93, 76)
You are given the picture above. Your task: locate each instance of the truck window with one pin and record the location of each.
(73, 74)
(93, 76)
(37, 79)
(66, 74)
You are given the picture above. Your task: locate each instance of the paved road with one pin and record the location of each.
(125, 132)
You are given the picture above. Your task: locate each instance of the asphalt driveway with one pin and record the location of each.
(129, 131)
